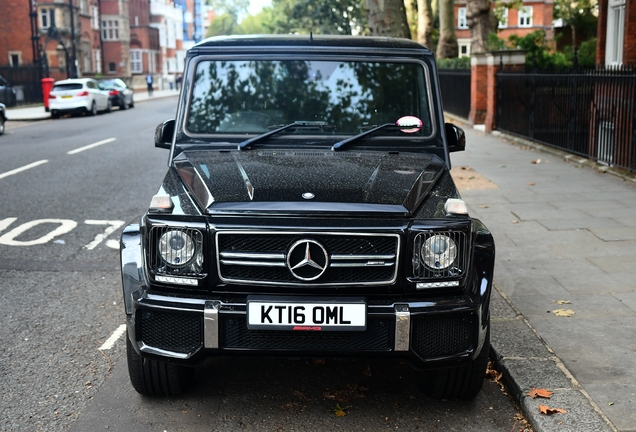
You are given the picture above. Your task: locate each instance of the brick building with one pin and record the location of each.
(534, 15)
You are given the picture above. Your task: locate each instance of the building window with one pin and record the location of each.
(94, 17)
(15, 58)
(525, 16)
(110, 30)
(615, 32)
(47, 18)
(462, 22)
(97, 61)
(112, 67)
(502, 16)
(136, 65)
(84, 7)
(464, 47)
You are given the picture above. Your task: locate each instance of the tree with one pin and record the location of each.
(317, 16)
(447, 45)
(234, 8)
(223, 25)
(387, 18)
(578, 15)
(425, 20)
(481, 22)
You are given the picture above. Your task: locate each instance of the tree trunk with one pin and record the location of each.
(411, 16)
(447, 45)
(425, 23)
(387, 18)
(480, 20)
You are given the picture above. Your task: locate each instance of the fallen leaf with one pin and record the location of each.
(544, 409)
(340, 411)
(563, 312)
(538, 161)
(484, 206)
(562, 302)
(610, 403)
(531, 183)
(515, 221)
(537, 392)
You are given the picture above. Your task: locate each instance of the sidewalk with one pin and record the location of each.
(35, 113)
(566, 240)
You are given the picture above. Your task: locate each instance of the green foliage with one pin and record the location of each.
(540, 51)
(454, 63)
(495, 43)
(318, 16)
(234, 8)
(587, 53)
(223, 25)
(580, 15)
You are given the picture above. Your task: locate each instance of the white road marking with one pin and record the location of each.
(113, 226)
(4, 223)
(24, 168)
(117, 334)
(90, 146)
(66, 225)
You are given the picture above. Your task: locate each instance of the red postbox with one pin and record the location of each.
(47, 85)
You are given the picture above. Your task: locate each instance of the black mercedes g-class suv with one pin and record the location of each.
(308, 210)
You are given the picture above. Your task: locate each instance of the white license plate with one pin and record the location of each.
(287, 314)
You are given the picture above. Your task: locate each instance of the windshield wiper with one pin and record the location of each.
(337, 146)
(247, 144)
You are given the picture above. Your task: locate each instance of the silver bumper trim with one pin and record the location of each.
(211, 324)
(402, 327)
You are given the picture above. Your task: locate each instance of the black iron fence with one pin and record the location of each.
(26, 80)
(591, 113)
(455, 89)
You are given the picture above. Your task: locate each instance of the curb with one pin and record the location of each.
(527, 362)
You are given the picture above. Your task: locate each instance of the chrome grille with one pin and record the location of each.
(454, 271)
(352, 258)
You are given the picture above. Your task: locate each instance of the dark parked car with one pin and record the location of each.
(308, 210)
(3, 117)
(120, 94)
(8, 95)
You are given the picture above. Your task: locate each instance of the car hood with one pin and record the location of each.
(290, 182)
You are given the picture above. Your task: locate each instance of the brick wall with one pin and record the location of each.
(15, 28)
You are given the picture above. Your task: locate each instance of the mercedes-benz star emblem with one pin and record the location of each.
(307, 260)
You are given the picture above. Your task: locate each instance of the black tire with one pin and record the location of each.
(463, 382)
(132, 102)
(155, 378)
(55, 114)
(1, 125)
(123, 105)
(93, 110)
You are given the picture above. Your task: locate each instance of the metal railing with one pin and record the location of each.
(455, 89)
(26, 80)
(591, 113)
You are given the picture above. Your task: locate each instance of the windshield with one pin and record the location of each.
(347, 97)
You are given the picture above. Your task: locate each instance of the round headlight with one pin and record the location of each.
(176, 248)
(439, 252)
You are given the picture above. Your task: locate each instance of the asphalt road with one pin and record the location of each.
(68, 187)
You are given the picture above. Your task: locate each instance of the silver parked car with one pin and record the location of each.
(3, 117)
(80, 95)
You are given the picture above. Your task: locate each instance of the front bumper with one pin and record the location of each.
(189, 330)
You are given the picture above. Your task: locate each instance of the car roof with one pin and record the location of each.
(309, 41)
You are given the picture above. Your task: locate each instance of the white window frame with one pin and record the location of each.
(504, 18)
(525, 16)
(136, 61)
(45, 17)
(615, 32)
(97, 61)
(110, 29)
(15, 53)
(462, 21)
(94, 17)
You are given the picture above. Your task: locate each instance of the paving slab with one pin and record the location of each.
(565, 229)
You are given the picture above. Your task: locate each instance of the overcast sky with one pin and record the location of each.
(257, 5)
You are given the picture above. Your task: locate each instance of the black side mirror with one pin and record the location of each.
(164, 133)
(456, 137)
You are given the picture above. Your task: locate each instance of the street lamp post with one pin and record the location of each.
(73, 58)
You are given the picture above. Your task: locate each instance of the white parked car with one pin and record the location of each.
(80, 95)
